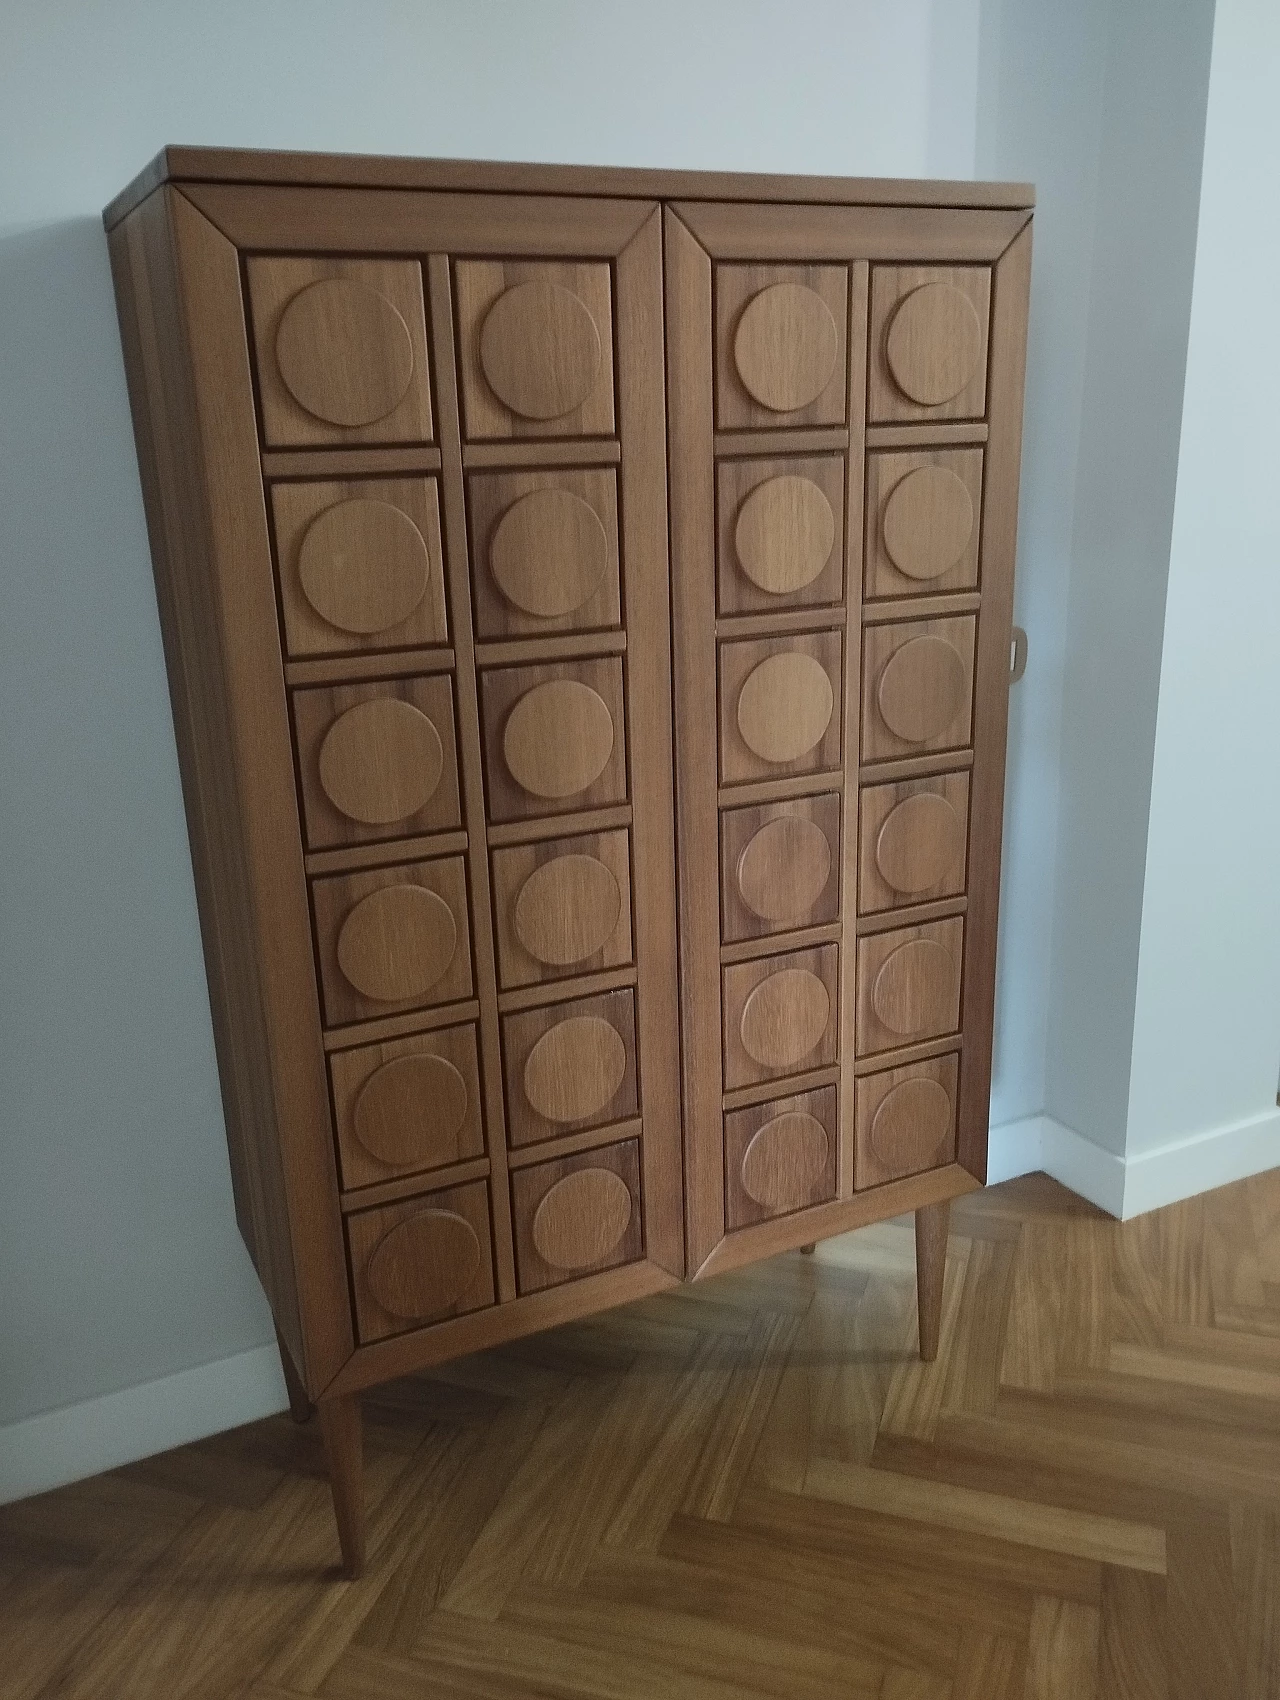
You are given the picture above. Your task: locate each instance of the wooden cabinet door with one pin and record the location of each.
(443, 616)
(845, 389)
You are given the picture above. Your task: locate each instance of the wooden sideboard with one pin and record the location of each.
(587, 598)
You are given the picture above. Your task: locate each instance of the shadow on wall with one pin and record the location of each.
(119, 1257)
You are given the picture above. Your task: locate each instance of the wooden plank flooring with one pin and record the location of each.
(745, 1488)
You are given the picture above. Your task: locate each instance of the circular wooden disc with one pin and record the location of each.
(397, 942)
(567, 910)
(785, 706)
(928, 521)
(784, 1018)
(785, 534)
(919, 843)
(549, 553)
(784, 869)
(344, 352)
(785, 346)
(540, 350)
(921, 689)
(582, 1218)
(934, 343)
(914, 988)
(575, 1069)
(363, 566)
(911, 1125)
(558, 738)
(381, 761)
(785, 1164)
(424, 1264)
(409, 1111)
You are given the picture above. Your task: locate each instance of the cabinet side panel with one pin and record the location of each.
(1011, 282)
(692, 491)
(177, 282)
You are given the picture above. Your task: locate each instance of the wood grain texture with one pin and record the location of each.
(931, 1263)
(407, 1105)
(590, 1512)
(555, 737)
(780, 1015)
(929, 328)
(377, 761)
(906, 1120)
(924, 511)
(537, 348)
(780, 866)
(418, 1261)
(544, 551)
(917, 687)
(780, 1156)
(577, 1215)
(341, 350)
(909, 984)
(780, 345)
(562, 906)
(248, 165)
(779, 706)
(780, 533)
(913, 842)
(1011, 281)
(563, 1068)
(359, 564)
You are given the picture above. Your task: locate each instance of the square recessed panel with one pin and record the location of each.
(535, 340)
(929, 331)
(781, 337)
(341, 349)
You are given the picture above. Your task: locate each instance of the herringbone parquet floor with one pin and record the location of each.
(746, 1488)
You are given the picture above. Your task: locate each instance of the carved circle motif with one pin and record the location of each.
(381, 761)
(540, 350)
(397, 942)
(785, 347)
(344, 352)
(919, 843)
(785, 706)
(558, 738)
(582, 1218)
(934, 343)
(910, 1127)
(424, 1264)
(785, 1163)
(575, 1069)
(363, 566)
(567, 910)
(785, 534)
(784, 869)
(784, 1018)
(921, 689)
(913, 990)
(549, 553)
(928, 521)
(409, 1112)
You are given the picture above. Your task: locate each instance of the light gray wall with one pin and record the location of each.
(119, 1258)
(1207, 1027)
(1151, 141)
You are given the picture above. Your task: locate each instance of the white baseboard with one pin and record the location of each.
(57, 1447)
(1146, 1181)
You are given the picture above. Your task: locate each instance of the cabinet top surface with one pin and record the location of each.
(371, 171)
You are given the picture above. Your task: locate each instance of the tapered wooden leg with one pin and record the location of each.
(341, 1427)
(300, 1406)
(808, 1250)
(931, 1266)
